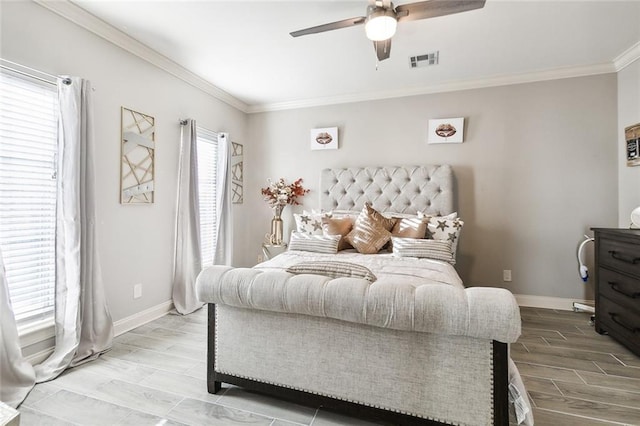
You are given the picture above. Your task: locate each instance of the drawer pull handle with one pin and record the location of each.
(616, 256)
(615, 319)
(614, 287)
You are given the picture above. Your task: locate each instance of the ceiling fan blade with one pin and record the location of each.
(345, 23)
(434, 8)
(383, 49)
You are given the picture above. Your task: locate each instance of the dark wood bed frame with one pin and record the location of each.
(215, 380)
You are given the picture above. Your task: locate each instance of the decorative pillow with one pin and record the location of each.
(410, 227)
(397, 215)
(418, 247)
(449, 216)
(333, 270)
(310, 223)
(441, 228)
(371, 231)
(342, 213)
(315, 243)
(338, 226)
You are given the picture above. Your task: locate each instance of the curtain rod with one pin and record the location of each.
(183, 122)
(31, 72)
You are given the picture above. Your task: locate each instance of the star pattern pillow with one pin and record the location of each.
(444, 229)
(310, 223)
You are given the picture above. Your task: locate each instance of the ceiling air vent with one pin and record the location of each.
(425, 60)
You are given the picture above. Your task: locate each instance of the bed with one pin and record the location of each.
(384, 336)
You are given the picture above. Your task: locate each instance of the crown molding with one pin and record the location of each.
(627, 57)
(81, 17)
(505, 80)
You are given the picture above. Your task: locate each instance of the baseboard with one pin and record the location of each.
(119, 327)
(141, 318)
(547, 302)
(38, 357)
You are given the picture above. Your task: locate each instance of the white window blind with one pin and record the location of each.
(28, 146)
(207, 176)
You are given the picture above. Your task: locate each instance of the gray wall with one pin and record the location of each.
(136, 242)
(628, 114)
(538, 168)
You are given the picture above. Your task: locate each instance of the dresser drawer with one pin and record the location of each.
(621, 255)
(619, 288)
(620, 322)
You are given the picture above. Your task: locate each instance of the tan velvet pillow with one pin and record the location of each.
(410, 227)
(338, 226)
(373, 214)
(371, 231)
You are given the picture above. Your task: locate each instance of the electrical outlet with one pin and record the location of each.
(506, 275)
(137, 291)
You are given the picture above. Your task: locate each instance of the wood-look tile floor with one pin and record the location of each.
(573, 375)
(155, 375)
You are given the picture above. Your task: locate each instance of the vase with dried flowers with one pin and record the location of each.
(278, 194)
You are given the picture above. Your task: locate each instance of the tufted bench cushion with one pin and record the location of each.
(489, 313)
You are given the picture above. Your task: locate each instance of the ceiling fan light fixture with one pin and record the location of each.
(380, 24)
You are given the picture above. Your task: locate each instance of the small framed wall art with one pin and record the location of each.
(326, 138)
(632, 140)
(446, 130)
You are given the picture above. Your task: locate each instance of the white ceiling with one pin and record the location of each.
(244, 47)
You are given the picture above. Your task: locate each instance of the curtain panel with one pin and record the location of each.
(83, 325)
(187, 261)
(188, 254)
(17, 376)
(224, 241)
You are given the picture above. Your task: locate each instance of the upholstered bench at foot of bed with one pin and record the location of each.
(486, 313)
(402, 376)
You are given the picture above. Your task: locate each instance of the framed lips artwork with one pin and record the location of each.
(326, 138)
(446, 130)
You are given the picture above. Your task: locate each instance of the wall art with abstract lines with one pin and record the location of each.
(137, 165)
(237, 154)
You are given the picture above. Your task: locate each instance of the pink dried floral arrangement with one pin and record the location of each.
(279, 193)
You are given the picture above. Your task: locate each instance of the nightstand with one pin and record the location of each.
(269, 251)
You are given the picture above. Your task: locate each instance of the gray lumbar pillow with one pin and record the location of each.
(333, 269)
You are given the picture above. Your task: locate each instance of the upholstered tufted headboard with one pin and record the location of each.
(405, 189)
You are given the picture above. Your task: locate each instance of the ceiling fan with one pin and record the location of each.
(382, 18)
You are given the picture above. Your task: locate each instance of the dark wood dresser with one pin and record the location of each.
(618, 285)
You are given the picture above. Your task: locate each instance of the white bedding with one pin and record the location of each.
(385, 266)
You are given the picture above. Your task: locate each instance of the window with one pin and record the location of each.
(28, 146)
(207, 176)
